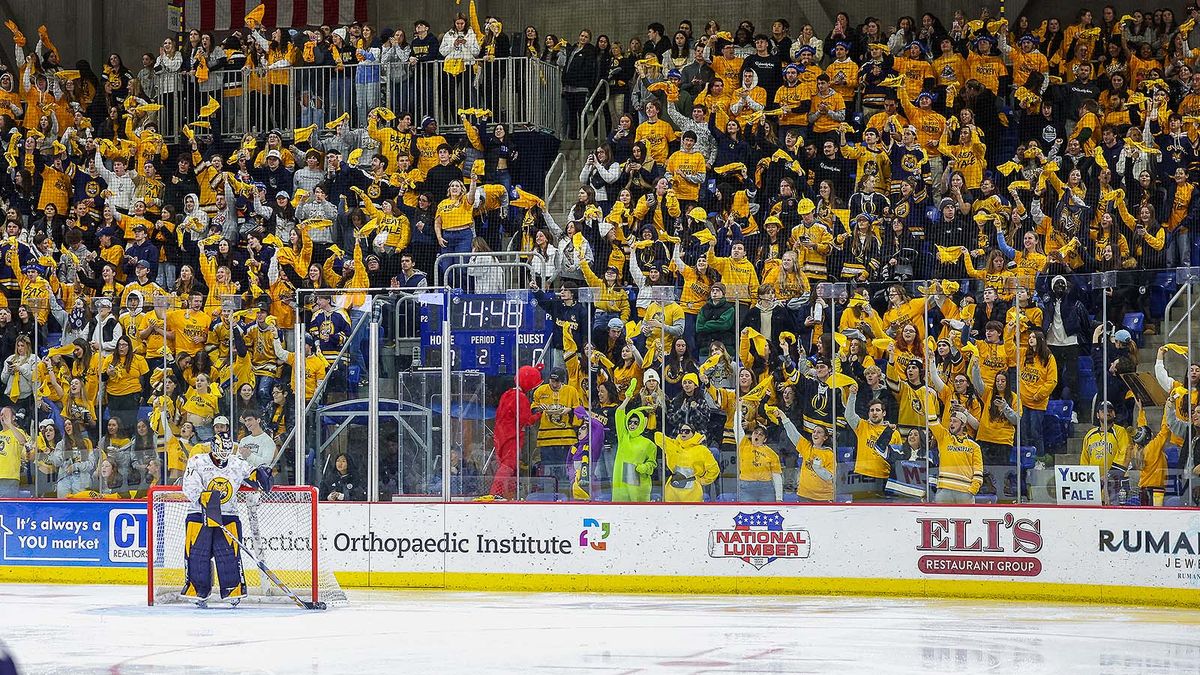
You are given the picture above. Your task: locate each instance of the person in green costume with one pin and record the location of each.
(635, 462)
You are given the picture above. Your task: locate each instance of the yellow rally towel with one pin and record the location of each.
(838, 380)
(1177, 348)
(209, 108)
(333, 124)
(948, 254)
(18, 36)
(751, 337)
(255, 17)
(14, 387)
(65, 350)
(1008, 167)
(710, 363)
(302, 134)
(527, 200)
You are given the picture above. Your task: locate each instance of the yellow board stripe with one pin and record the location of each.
(913, 588)
(623, 583)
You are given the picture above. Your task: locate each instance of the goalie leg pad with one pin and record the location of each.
(227, 553)
(197, 551)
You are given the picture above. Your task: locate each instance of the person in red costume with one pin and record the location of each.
(513, 415)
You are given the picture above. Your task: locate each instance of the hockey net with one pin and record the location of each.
(278, 527)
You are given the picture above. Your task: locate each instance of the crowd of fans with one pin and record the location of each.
(742, 170)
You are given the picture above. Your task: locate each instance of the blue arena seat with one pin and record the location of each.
(1135, 323)
(1026, 453)
(1171, 452)
(1056, 425)
(1161, 291)
(1087, 382)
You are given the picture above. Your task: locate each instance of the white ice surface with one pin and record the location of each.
(92, 629)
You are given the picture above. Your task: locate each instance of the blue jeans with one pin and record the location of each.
(457, 241)
(263, 388)
(555, 465)
(601, 319)
(756, 491)
(362, 340)
(1179, 248)
(1031, 428)
(166, 278)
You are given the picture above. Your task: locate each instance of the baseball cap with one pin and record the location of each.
(1122, 335)
(221, 419)
(274, 154)
(615, 324)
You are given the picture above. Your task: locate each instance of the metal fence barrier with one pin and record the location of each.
(520, 92)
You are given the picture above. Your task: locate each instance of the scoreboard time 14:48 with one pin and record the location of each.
(492, 333)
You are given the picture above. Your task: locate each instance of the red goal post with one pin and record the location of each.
(279, 527)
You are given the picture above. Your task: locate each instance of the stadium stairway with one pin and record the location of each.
(1148, 346)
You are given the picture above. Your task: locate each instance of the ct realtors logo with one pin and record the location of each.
(759, 539)
(988, 547)
(594, 535)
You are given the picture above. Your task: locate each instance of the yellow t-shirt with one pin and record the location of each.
(811, 486)
(125, 381)
(656, 135)
(191, 330)
(456, 214)
(153, 344)
(11, 451)
(686, 163)
(757, 462)
(867, 461)
(557, 426)
(201, 405)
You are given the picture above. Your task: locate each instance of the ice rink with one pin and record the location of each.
(108, 629)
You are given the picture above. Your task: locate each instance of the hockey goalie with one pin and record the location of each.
(214, 532)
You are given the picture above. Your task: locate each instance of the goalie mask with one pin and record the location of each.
(221, 447)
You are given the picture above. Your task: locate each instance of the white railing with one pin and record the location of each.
(1185, 277)
(553, 184)
(520, 92)
(595, 107)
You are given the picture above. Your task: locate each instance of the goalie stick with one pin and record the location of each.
(272, 576)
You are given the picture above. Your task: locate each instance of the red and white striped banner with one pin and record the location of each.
(225, 15)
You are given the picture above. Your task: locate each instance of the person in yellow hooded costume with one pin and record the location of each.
(690, 462)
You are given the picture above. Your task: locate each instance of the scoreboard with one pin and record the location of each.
(492, 333)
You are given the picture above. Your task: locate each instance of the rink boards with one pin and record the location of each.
(1132, 556)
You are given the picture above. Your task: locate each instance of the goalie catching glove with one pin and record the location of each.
(261, 478)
